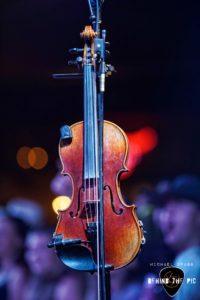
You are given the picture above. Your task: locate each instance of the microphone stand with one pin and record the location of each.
(100, 49)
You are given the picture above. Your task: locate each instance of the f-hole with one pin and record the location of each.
(71, 213)
(120, 211)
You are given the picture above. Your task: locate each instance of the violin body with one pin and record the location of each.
(123, 233)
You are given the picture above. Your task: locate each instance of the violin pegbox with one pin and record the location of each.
(88, 34)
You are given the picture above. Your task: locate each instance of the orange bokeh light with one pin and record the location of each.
(22, 157)
(37, 158)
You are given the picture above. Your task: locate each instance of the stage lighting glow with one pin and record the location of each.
(146, 139)
(134, 157)
(141, 142)
(61, 203)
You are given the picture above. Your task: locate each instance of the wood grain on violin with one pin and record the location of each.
(123, 234)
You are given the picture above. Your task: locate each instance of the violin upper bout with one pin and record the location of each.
(71, 149)
(115, 147)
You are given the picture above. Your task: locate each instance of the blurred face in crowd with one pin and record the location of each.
(179, 221)
(41, 260)
(10, 241)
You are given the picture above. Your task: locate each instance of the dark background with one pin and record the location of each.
(156, 50)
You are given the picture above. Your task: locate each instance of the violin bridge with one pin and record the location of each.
(89, 209)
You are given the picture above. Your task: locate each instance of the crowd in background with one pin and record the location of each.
(170, 212)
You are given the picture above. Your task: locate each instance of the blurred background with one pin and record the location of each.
(154, 96)
(155, 50)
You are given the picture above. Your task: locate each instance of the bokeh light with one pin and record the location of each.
(141, 142)
(134, 157)
(146, 139)
(22, 157)
(37, 158)
(61, 203)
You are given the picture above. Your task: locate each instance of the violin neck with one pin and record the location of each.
(91, 153)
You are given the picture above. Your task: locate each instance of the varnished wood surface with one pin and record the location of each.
(122, 232)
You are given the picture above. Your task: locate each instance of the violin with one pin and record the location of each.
(98, 232)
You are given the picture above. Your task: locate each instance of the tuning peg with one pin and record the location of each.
(109, 70)
(75, 50)
(77, 61)
(107, 54)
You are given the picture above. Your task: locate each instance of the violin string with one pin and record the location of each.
(95, 134)
(89, 140)
(96, 190)
(98, 251)
(91, 131)
(86, 150)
